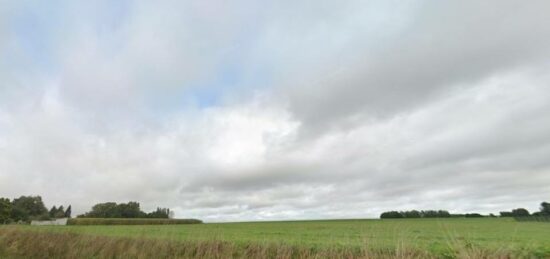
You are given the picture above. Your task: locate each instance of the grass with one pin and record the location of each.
(415, 238)
(132, 221)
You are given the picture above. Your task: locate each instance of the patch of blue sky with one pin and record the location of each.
(112, 17)
(209, 93)
(234, 75)
(203, 93)
(39, 28)
(33, 28)
(113, 13)
(229, 80)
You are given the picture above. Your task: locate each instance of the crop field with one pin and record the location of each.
(450, 238)
(130, 221)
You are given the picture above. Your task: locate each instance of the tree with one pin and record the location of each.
(520, 212)
(163, 213)
(443, 214)
(122, 210)
(429, 214)
(5, 210)
(411, 214)
(28, 207)
(68, 212)
(53, 211)
(416, 214)
(391, 215)
(113, 210)
(19, 214)
(103, 210)
(130, 210)
(60, 213)
(545, 208)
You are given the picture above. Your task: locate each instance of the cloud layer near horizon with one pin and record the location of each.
(281, 110)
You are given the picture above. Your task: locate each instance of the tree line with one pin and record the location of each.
(544, 211)
(124, 210)
(27, 208)
(415, 214)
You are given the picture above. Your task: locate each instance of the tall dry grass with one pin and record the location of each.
(17, 243)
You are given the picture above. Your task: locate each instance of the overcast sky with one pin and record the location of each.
(262, 110)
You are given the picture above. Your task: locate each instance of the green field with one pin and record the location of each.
(439, 237)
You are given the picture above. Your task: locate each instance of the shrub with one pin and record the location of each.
(473, 215)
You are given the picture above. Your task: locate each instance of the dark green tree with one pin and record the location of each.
(391, 215)
(68, 212)
(159, 213)
(130, 210)
(53, 211)
(113, 210)
(103, 210)
(5, 210)
(60, 213)
(19, 214)
(429, 214)
(411, 214)
(443, 214)
(123, 210)
(28, 207)
(520, 212)
(545, 208)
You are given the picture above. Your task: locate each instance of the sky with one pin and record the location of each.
(273, 110)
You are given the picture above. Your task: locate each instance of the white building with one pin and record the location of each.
(59, 222)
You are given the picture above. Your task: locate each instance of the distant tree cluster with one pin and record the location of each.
(123, 210)
(415, 214)
(27, 208)
(519, 212)
(543, 215)
(60, 212)
(516, 213)
(544, 211)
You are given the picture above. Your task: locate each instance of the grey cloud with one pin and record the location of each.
(439, 46)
